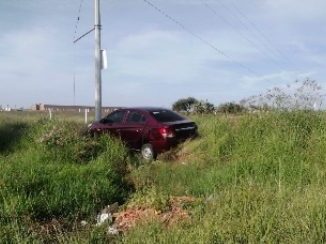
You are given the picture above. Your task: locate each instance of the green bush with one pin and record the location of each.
(184, 104)
(66, 141)
(59, 172)
(231, 108)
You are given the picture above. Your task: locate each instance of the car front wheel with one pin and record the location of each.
(148, 152)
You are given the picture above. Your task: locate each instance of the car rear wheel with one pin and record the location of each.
(148, 152)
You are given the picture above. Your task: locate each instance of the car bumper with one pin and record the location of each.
(163, 145)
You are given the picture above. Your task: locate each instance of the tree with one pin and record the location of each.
(300, 95)
(204, 107)
(184, 104)
(231, 108)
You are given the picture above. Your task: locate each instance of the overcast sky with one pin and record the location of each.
(152, 60)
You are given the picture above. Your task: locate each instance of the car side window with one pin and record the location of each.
(136, 118)
(115, 117)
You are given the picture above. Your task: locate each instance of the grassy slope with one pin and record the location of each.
(257, 179)
(52, 177)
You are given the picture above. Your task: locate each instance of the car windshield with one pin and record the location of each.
(166, 116)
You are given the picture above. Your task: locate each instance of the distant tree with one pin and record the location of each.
(209, 107)
(204, 107)
(184, 104)
(199, 108)
(231, 108)
(300, 95)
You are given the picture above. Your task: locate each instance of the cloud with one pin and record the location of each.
(151, 59)
(172, 55)
(35, 67)
(303, 10)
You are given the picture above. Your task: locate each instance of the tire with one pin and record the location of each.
(148, 153)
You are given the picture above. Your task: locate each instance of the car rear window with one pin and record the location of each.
(166, 116)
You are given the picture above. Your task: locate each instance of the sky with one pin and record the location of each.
(215, 50)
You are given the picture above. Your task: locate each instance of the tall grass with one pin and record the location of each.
(260, 179)
(256, 177)
(54, 172)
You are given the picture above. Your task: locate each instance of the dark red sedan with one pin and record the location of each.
(149, 130)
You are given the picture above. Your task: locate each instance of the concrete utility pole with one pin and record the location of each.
(98, 62)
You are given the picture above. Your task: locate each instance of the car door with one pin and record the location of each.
(132, 131)
(113, 123)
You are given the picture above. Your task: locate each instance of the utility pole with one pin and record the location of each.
(98, 62)
(100, 59)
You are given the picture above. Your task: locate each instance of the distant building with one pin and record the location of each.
(7, 109)
(69, 108)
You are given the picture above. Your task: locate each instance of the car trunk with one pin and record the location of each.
(183, 129)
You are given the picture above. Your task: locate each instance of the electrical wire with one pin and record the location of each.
(74, 49)
(78, 19)
(251, 42)
(250, 29)
(259, 31)
(209, 44)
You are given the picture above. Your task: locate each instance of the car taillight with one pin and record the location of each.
(166, 132)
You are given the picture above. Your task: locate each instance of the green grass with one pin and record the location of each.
(256, 177)
(260, 179)
(54, 171)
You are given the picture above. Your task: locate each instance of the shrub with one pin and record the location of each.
(300, 95)
(45, 179)
(184, 104)
(66, 141)
(231, 108)
(204, 107)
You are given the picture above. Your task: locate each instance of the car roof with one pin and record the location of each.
(147, 109)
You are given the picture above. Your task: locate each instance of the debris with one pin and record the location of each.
(132, 216)
(113, 230)
(83, 223)
(129, 218)
(106, 214)
(113, 208)
(103, 218)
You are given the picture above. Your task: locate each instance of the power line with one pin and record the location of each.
(75, 52)
(249, 28)
(212, 46)
(261, 33)
(82, 36)
(251, 42)
(78, 18)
